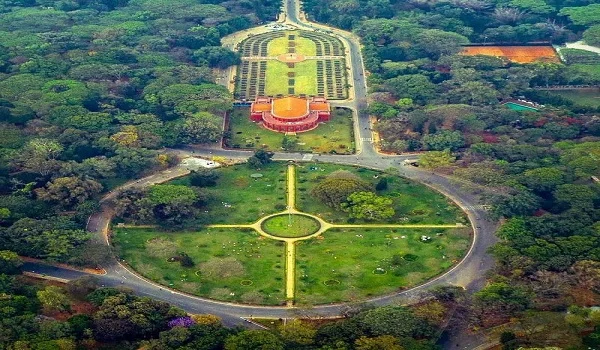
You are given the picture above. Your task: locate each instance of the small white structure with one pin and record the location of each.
(192, 163)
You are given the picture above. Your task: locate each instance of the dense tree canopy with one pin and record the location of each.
(337, 187)
(368, 205)
(90, 91)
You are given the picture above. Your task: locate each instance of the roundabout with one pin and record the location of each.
(307, 254)
(467, 272)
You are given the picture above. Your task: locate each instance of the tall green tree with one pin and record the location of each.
(368, 206)
(337, 187)
(53, 298)
(69, 191)
(436, 159)
(9, 262)
(254, 339)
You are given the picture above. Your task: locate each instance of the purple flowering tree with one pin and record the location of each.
(184, 321)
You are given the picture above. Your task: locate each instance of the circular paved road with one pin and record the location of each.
(469, 273)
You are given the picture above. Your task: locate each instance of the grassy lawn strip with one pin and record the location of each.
(277, 46)
(291, 226)
(353, 264)
(306, 77)
(230, 265)
(305, 46)
(277, 78)
(414, 203)
(591, 70)
(589, 98)
(335, 136)
(239, 198)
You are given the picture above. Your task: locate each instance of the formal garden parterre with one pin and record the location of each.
(275, 244)
(291, 63)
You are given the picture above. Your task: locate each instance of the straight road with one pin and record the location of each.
(358, 101)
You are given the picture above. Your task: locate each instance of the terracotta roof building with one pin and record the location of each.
(290, 114)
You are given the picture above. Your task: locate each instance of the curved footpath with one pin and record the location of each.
(468, 273)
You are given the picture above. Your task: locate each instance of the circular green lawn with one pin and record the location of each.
(290, 226)
(344, 264)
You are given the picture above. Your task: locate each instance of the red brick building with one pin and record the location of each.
(290, 114)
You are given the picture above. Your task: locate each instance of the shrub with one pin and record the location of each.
(280, 207)
(382, 185)
(185, 260)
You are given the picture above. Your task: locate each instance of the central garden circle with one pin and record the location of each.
(291, 226)
(355, 255)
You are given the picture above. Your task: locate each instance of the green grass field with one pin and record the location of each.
(239, 198)
(304, 46)
(290, 225)
(277, 78)
(230, 265)
(334, 136)
(413, 202)
(589, 98)
(343, 265)
(590, 70)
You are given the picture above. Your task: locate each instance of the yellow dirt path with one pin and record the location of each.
(291, 187)
(290, 242)
(290, 245)
(290, 272)
(396, 226)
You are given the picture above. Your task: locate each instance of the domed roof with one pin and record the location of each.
(290, 107)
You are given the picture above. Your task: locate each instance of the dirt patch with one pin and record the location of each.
(253, 297)
(220, 293)
(241, 182)
(291, 57)
(161, 247)
(517, 54)
(222, 267)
